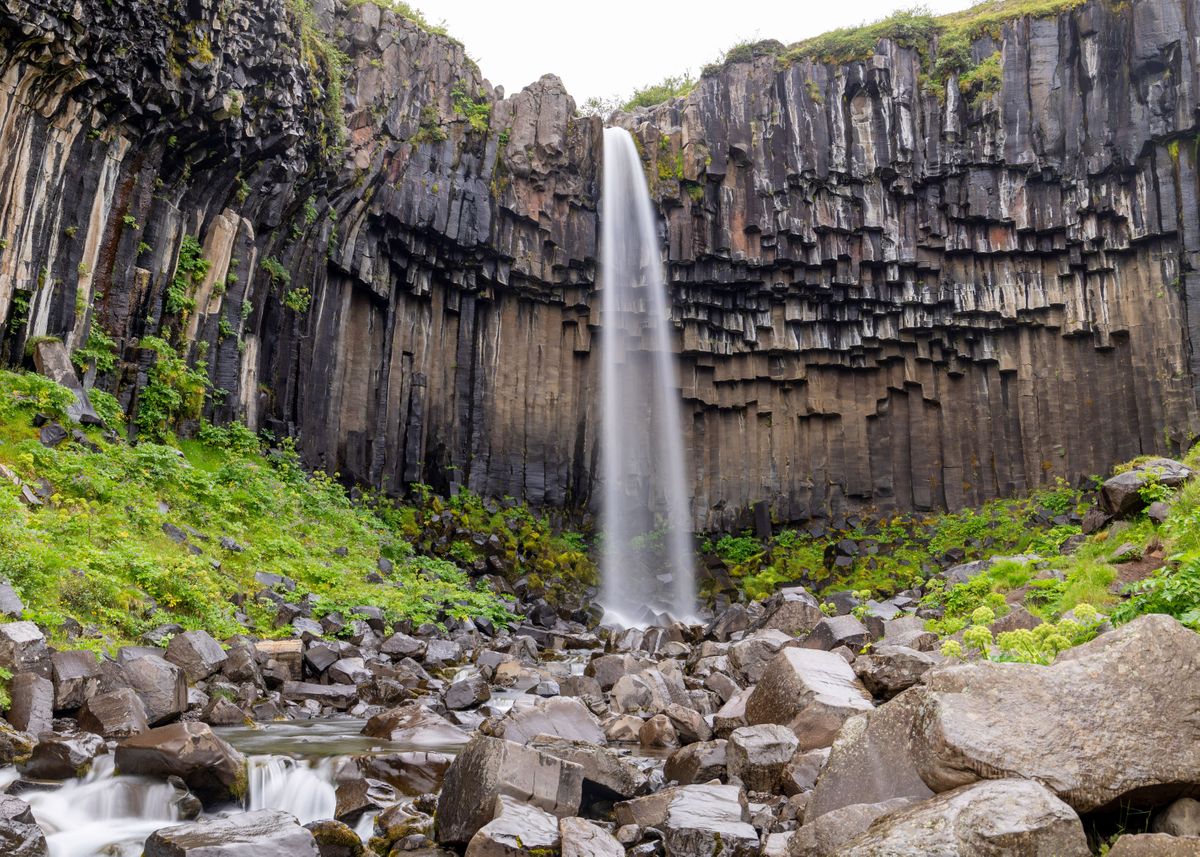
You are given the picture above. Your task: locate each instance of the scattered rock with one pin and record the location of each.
(581, 838)
(516, 830)
(709, 821)
(757, 755)
(417, 725)
(697, 763)
(1154, 845)
(826, 835)
(116, 714)
(196, 653)
(809, 691)
(263, 833)
(1181, 818)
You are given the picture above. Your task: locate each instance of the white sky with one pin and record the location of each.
(610, 48)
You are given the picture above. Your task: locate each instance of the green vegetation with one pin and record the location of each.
(405, 11)
(430, 130)
(327, 65)
(174, 391)
(477, 110)
(99, 351)
(298, 299)
(278, 275)
(98, 550)
(190, 271)
(656, 93)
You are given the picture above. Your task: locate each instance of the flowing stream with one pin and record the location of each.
(647, 562)
(292, 767)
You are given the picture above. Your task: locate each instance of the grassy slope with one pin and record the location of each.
(97, 551)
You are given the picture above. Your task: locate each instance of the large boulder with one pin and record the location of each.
(888, 670)
(1181, 818)
(489, 767)
(1154, 845)
(1121, 494)
(996, 818)
(76, 676)
(562, 716)
(20, 835)
(116, 714)
(697, 763)
(263, 833)
(757, 755)
(793, 611)
(196, 653)
(161, 685)
(871, 760)
(834, 631)
(211, 768)
(516, 830)
(32, 702)
(825, 836)
(62, 756)
(411, 772)
(709, 821)
(416, 725)
(606, 776)
(23, 649)
(1112, 720)
(811, 692)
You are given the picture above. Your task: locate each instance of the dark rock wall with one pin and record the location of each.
(881, 297)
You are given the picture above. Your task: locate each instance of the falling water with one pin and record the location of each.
(647, 550)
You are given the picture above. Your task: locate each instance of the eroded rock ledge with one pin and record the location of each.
(882, 296)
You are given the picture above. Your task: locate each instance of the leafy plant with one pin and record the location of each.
(174, 391)
(190, 270)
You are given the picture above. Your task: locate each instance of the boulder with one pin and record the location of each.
(1181, 818)
(689, 724)
(339, 696)
(210, 767)
(403, 646)
(751, 655)
(467, 693)
(888, 670)
(697, 763)
(161, 686)
(658, 732)
(1111, 720)
(1154, 845)
(801, 772)
(826, 835)
(732, 714)
(969, 570)
(416, 725)
(757, 755)
(32, 706)
(76, 676)
(871, 760)
(23, 649)
(335, 839)
(14, 746)
(996, 817)
(490, 767)
(411, 772)
(263, 833)
(20, 835)
(348, 671)
(1120, 495)
(793, 611)
(581, 838)
(708, 821)
(196, 653)
(516, 830)
(606, 776)
(285, 658)
(221, 712)
(834, 631)
(809, 691)
(564, 717)
(116, 714)
(62, 756)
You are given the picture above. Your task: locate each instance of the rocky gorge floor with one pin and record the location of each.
(775, 729)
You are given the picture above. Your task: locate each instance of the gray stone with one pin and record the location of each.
(757, 755)
(211, 768)
(809, 691)
(564, 717)
(418, 726)
(1154, 845)
(11, 604)
(490, 767)
(581, 838)
(996, 817)
(263, 833)
(62, 756)
(1121, 494)
(606, 776)
(708, 821)
(467, 693)
(23, 648)
(196, 653)
(888, 670)
(697, 763)
(834, 631)
(32, 706)
(339, 696)
(76, 676)
(827, 835)
(1181, 818)
(161, 686)
(802, 770)
(516, 830)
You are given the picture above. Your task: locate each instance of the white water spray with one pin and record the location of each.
(647, 553)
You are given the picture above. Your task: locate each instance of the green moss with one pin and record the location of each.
(675, 86)
(982, 81)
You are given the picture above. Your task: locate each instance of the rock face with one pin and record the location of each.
(990, 819)
(881, 294)
(1110, 720)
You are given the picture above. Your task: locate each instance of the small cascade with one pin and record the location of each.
(303, 788)
(647, 560)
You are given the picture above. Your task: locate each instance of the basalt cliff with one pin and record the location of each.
(885, 294)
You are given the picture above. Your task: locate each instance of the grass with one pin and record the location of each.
(656, 93)
(97, 552)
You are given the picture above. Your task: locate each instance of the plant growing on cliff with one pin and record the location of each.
(477, 110)
(327, 65)
(298, 299)
(276, 273)
(190, 271)
(174, 391)
(672, 86)
(100, 351)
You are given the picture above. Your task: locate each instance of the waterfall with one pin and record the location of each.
(646, 561)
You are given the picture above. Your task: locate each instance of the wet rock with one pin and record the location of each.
(888, 670)
(116, 714)
(356, 795)
(339, 696)
(1153, 845)
(417, 725)
(581, 838)
(412, 772)
(211, 768)
(62, 756)
(161, 686)
(697, 763)
(490, 767)
(20, 835)
(1121, 494)
(1181, 818)
(221, 712)
(23, 649)
(992, 817)
(606, 776)
(467, 693)
(14, 746)
(1092, 731)
(708, 821)
(757, 755)
(828, 834)
(833, 631)
(563, 716)
(32, 706)
(809, 691)
(335, 839)
(263, 833)
(516, 830)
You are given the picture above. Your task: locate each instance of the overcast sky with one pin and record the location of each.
(609, 48)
